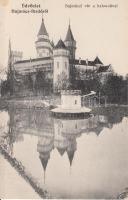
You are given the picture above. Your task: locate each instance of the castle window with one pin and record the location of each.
(75, 101)
(58, 65)
(65, 65)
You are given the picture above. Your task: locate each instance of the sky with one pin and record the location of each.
(99, 32)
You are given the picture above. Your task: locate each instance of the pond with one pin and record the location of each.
(70, 158)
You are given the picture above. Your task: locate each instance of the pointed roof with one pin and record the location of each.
(97, 130)
(70, 156)
(44, 161)
(69, 36)
(60, 45)
(9, 50)
(61, 151)
(42, 30)
(97, 61)
(9, 57)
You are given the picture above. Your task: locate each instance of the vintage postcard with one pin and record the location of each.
(63, 99)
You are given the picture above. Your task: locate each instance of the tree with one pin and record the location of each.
(5, 88)
(115, 88)
(62, 82)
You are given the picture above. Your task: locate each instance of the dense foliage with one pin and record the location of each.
(114, 88)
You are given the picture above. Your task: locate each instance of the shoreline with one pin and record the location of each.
(17, 165)
(44, 102)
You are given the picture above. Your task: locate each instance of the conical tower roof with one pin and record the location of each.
(44, 161)
(9, 54)
(69, 36)
(70, 156)
(98, 129)
(61, 151)
(42, 30)
(60, 45)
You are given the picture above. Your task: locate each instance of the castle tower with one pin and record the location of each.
(43, 44)
(70, 43)
(60, 142)
(44, 147)
(61, 72)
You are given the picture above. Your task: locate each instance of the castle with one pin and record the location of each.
(57, 63)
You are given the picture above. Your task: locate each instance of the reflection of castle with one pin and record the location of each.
(54, 133)
(60, 134)
(65, 142)
(44, 147)
(58, 62)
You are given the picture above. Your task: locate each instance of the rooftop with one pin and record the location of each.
(69, 36)
(97, 61)
(82, 62)
(33, 60)
(60, 45)
(42, 30)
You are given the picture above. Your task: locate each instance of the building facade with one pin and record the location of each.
(57, 63)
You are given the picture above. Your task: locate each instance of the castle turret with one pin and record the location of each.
(61, 66)
(70, 43)
(43, 44)
(44, 147)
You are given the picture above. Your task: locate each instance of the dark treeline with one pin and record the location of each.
(114, 87)
(30, 84)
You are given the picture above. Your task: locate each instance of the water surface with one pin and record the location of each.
(70, 158)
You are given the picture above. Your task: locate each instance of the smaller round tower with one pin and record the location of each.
(61, 71)
(43, 44)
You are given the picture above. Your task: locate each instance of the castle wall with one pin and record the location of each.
(61, 65)
(30, 66)
(61, 70)
(54, 62)
(85, 67)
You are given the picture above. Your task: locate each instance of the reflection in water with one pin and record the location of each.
(51, 134)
